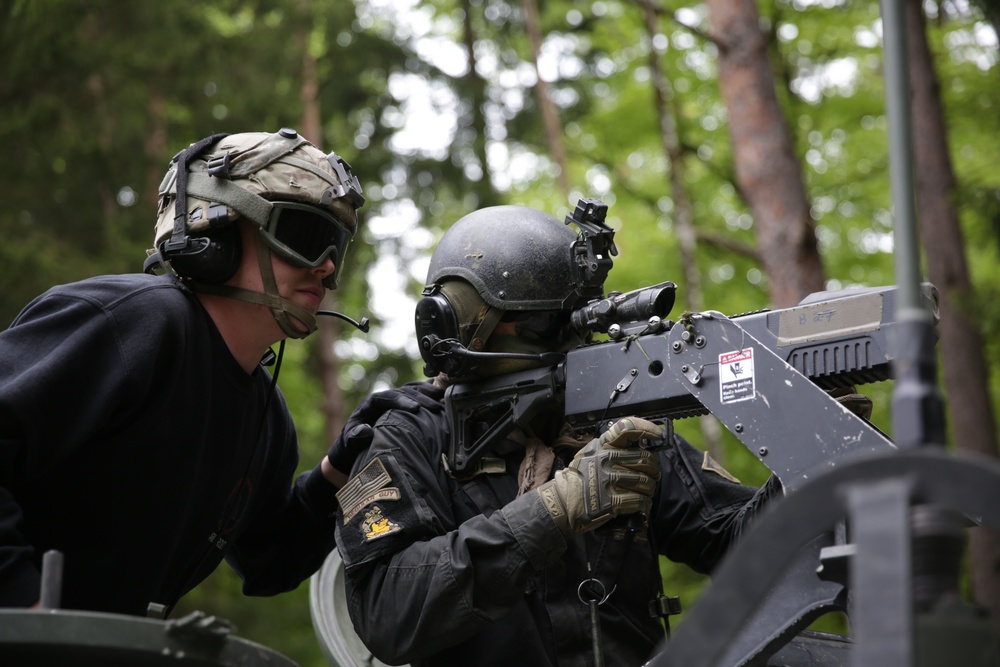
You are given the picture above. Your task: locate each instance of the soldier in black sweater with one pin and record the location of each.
(140, 434)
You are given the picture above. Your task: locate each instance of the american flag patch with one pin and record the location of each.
(368, 486)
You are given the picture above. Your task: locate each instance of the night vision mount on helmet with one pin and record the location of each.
(303, 202)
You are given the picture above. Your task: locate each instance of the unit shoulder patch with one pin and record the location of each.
(377, 525)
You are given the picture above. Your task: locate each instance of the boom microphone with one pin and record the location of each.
(363, 325)
(451, 346)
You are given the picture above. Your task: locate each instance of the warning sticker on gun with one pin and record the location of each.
(736, 381)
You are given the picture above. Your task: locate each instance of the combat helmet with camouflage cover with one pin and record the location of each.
(303, 203)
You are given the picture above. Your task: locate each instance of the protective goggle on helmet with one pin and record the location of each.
(305, 235)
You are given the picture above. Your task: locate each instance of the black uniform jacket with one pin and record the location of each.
(446, 572)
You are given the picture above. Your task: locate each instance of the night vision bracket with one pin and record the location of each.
(595, 247)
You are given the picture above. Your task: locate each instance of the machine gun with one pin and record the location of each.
(761, 374)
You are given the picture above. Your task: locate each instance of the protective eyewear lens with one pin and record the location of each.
(306, 235)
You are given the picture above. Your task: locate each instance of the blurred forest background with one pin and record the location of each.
(741, 146)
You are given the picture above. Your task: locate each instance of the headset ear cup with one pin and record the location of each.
(435, 321)
(211, 258)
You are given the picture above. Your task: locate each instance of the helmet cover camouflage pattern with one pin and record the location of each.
(281, 166)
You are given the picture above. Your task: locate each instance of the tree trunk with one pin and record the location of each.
(684, 226)
(329, 328)
(156, 146)
(965, 371)
(550, 116)
(767, 170)
(483, 188)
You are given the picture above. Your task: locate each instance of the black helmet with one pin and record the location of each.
(515, 259)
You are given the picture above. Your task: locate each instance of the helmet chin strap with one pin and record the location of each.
(280, 307)
(283, 307)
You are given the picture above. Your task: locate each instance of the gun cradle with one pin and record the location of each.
(762, 375)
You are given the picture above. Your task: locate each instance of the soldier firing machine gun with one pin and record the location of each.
(762, 374)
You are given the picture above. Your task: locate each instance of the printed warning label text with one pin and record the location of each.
(736, 381)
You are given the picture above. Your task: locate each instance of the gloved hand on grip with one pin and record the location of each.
(357, 433)
(609, 477)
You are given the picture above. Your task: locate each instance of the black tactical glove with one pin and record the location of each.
(357, 433)
(610, 477)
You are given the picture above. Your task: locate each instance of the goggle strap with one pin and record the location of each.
(249, 205)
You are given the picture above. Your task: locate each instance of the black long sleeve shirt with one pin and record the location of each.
(133, 442)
